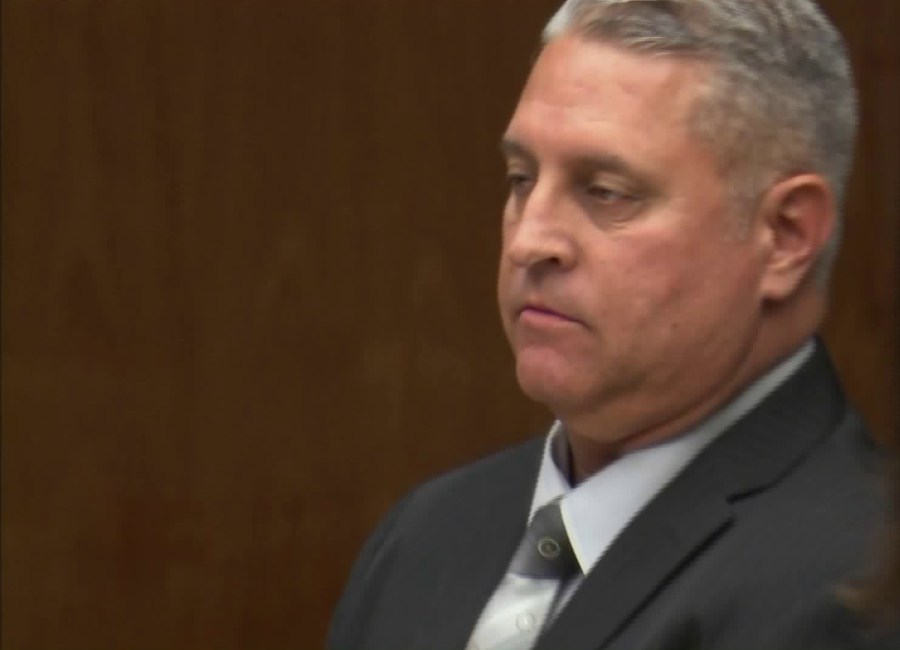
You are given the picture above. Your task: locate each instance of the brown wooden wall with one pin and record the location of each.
(248, 257)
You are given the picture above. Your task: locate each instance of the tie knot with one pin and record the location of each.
(545, 550)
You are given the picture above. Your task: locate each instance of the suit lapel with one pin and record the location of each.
(695, 508)
(646, 554)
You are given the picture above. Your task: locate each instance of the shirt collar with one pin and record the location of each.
(597, 510)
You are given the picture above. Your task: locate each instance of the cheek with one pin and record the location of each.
(503, 280)
(699, 290)
(504, 294)
(640, 277)
(658, 289)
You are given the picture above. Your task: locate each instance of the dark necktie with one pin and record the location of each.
(545, 550)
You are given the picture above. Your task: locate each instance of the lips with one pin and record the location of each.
(540, 313)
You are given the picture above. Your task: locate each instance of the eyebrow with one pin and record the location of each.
(510, 147)
(590, 161)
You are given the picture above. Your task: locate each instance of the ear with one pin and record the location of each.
(797, 217)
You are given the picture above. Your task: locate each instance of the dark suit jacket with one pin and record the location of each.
(742, 551)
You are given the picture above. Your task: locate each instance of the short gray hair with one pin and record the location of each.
(781, 99)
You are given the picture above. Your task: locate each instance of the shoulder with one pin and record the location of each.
(840, 486)
(778, 572)
(420, 523)
(834, 626)
(507, 472)
(824, 514)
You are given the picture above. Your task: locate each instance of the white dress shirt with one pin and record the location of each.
(598, 509)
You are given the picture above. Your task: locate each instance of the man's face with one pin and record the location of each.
(628, 288)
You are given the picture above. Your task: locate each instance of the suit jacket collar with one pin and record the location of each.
(696, 507)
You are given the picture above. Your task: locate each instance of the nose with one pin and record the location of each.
(537, 233)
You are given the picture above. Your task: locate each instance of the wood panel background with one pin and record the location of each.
(248, 258)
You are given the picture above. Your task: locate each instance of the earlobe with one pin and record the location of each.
(798, 214)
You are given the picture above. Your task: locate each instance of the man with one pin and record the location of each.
(675, 172)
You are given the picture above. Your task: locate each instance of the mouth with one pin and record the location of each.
(540, 314)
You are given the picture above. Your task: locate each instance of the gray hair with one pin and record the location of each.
(781, 99)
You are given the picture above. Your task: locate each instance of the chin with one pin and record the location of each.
(548, 384)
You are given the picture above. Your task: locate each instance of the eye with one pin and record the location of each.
(519, 183)
(608, 203)
(606, 195)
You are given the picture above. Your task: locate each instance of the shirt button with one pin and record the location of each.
(549, 548)
(525, 621)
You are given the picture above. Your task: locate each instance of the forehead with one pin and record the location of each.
(584, 86)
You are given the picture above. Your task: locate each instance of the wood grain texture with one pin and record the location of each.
(863, 326)
(248, 296)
